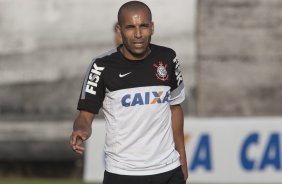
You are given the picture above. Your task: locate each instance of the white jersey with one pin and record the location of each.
(136, 98)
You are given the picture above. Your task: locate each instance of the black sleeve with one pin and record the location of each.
(93, 90)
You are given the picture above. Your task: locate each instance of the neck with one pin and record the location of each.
(134, 57)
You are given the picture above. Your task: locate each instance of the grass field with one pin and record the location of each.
(64, 181)
(55, 181)
(41, 181)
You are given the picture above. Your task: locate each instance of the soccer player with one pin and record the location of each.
(139, 86)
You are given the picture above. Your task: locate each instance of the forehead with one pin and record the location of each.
(133, 16)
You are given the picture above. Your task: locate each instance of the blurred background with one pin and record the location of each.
(230, 53)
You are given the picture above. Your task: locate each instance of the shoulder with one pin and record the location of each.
(99, 63)
(163, 50)
(105, 57)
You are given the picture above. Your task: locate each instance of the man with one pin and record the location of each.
(139, 87)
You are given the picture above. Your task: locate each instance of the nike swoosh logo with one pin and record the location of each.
(123, 75)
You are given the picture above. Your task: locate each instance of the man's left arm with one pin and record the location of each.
(178, 135)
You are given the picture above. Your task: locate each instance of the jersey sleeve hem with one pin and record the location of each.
(86, 106)
(177, 98)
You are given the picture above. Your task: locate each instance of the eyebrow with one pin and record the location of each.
(145, 24)
(141, 25)
(129, 26)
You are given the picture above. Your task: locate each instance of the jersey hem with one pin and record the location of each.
(143, 173)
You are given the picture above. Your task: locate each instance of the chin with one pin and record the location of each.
(140, 50)
(140, 54)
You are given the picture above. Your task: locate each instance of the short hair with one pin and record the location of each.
(135, 6)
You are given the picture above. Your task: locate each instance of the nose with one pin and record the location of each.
(137, 33)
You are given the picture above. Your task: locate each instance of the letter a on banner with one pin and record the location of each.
(202, 156)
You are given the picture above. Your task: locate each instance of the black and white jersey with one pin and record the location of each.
(135, 97)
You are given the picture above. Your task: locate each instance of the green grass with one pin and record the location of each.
(41, 181)
(58, 181)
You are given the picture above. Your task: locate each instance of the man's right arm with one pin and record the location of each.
(81, 131)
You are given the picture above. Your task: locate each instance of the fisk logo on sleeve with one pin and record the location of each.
(177, 71)
(93, 79)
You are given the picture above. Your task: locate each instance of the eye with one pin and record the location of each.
(129, 27)
(144, 25)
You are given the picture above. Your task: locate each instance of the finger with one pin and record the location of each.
(79, 141)
(82, 136)
(73, 138)
(78, 135)
(71, 142)
(76, 147)
(78, 144)
(79, 149)
(79, 152)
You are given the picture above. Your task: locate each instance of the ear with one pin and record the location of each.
(118, 37)
(118, 28)
(152, 27)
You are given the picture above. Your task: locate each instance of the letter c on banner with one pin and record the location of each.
(246, 162)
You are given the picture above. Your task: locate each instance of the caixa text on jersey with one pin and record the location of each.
(145, 98)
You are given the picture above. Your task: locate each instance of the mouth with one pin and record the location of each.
(138, 44)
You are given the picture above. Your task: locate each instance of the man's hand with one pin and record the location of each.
(76, 140)
(81, 131)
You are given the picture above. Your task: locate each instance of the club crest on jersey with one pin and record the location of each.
(161, 71)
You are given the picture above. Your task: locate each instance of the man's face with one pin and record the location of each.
(136, 30)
